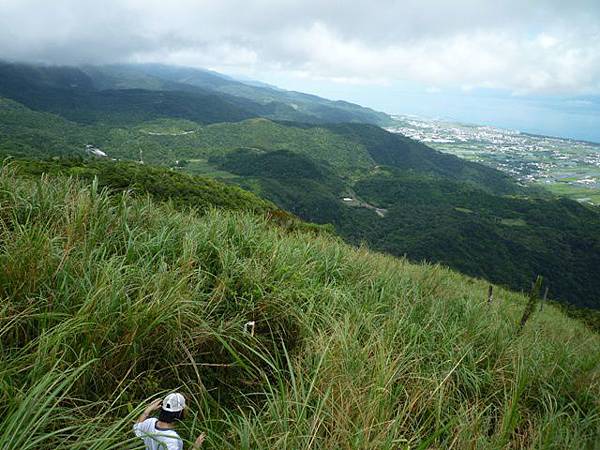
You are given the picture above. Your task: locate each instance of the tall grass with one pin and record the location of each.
(107, 300)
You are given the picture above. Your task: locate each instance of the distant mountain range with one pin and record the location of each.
(130, 93)
(325, 161)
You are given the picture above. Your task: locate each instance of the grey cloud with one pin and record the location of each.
(534, 45)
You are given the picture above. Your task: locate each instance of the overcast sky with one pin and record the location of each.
(443, 58)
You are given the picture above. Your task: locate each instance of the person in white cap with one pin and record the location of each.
(160, 434)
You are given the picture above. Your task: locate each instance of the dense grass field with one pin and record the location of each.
(109, 300)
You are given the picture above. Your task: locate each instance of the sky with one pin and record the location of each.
(532, 65)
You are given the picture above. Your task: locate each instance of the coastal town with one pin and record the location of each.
(565, 166)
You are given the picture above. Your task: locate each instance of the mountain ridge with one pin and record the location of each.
(41, 87)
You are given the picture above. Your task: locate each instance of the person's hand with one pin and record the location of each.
(199, 440)
(156, 404)
(151, 407)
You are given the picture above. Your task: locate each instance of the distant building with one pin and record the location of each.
(95, 151)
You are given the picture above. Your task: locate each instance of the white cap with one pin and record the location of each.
(174, 402)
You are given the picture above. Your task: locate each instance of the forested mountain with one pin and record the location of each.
(375, 187)
(71, 93)
(290, 105)
(131, 93)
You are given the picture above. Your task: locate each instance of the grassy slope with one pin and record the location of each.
(184, 190)
(505, 239)
(560, 246)
(105, 301)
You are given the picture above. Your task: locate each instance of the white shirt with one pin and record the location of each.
(157, 438)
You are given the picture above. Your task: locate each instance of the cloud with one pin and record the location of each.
(550, 47)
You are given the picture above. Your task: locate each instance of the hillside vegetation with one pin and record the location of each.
(183, 190)
(132, 93)
(314, 183)
(288, 105)
(107, 300)
(382, 189)
(505, 239)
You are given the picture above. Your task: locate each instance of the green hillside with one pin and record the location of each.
(129, 94)
(287, 105)
(506, 239)
(183, 190)
(24, 132)
(437, 207)
(352, 149)
(71, 93)
(376, 188)
(106, 300)
(499, 238)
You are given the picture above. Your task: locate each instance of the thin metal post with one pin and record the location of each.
(544, 298)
